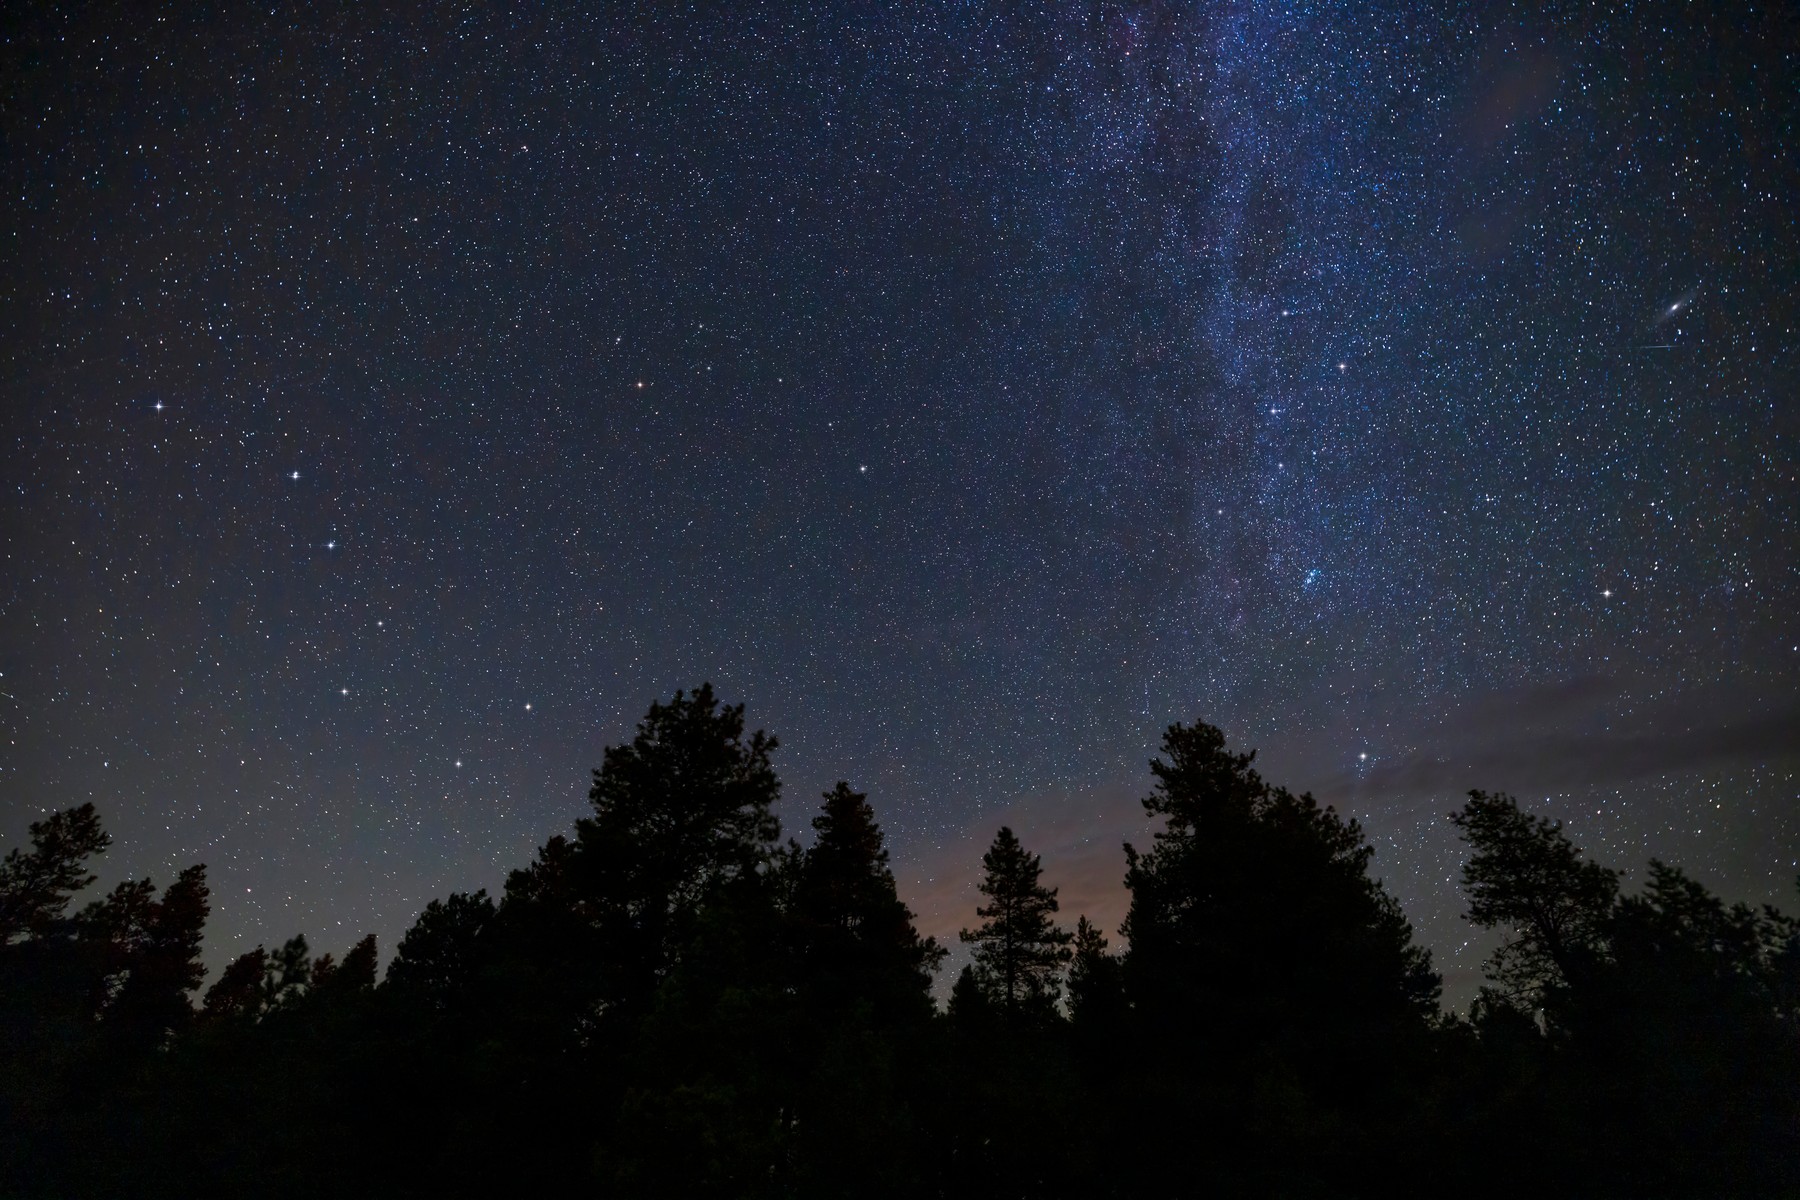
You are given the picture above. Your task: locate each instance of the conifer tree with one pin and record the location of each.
(237, 994)
(1096, 988)
(438, 959)
(155, 951)
(36, 885)
(680, 814)
(1270, 979)
(1525, 877)
(969, 1006)
(337, 982)
(1020, 952)
(1254, 910)
(857, 936)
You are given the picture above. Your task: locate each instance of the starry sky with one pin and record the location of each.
(396, 403)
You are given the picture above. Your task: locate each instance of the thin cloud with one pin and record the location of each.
(1578, 734)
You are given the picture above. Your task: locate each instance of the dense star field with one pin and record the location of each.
(394, 407)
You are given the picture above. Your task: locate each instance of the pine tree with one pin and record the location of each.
(857, 938)
(681, 813)
(853, 1005)
(1019, 951)
(642, 951)
(438, 960)
(36, 885)
(238, 993)
(969, 1007)
(1254, 908)
(1096, 987)
(1270, 980)
(156, 950)
(1525, 877)
(342, 982)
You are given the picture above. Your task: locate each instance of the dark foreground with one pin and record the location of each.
(674, 1002)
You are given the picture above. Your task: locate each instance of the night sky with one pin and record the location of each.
(395, 405)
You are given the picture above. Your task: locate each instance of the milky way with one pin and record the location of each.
(393, 410)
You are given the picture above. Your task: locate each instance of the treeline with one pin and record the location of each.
(675, 1002)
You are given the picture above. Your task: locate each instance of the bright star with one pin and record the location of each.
(295, 475)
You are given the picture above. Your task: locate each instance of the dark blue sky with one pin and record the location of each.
(397, 404)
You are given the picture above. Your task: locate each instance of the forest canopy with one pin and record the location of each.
(670, 999)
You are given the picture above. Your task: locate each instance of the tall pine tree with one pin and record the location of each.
(1020, 951)
(856, 936)
(1270, 978)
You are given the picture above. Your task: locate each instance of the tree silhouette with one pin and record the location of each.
(1271, 979)
(1687, 1032)
(1525, 878)
(1019, 951)
(852, 1009)
(55, 1072)
(968, 1004)
(1667, 1060)
(342, 982)
(238, 993)
(633, 959)
(856, 936)
(670, 1002)
(1254, 906)
(438, 959)
(152, 951)
(1010, 1127)
(679, 813)
(1096, 984)
(37, 885)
